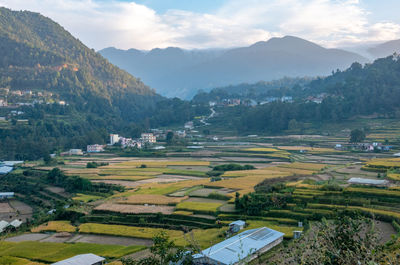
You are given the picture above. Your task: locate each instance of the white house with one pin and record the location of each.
(114, 138)
(95, 148)
(148, 138)
(75, 152)
(236, 226)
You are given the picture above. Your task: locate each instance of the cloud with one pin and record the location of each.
(126, 25)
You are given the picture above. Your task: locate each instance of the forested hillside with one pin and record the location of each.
(39, 57)
(373, 89)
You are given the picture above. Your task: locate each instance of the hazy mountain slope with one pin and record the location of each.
(48, 66)
(385, 49)
(37, 53)
(181, 74)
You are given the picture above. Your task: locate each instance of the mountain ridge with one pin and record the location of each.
(275, 58)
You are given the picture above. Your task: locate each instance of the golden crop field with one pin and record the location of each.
(306, 166)
(86, 197)
(17, 261)
(262, 149)
(151, 199)
(295, 171)
(202, 238)
(129, 231)
(313, 150)
(57, 226)
(267, 172)
(166, 188)
(245, 184)
(183, 213)
(384, 162)
(199, 206)
(158, 163)
(394, 176)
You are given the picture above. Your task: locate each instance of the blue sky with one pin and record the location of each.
(200, 24)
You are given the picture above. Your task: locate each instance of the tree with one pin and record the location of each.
(357, 136)
(170, 138)
(345, 240)
(164, 252)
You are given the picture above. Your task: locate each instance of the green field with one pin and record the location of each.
(53, 252)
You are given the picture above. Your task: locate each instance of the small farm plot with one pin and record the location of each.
(128, 231)
(137, 209)
(53, 252)
(151, 199)
(55, 226)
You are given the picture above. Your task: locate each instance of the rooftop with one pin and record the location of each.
(240, 246)
(84, 259)
(367, 181)
(238, 222)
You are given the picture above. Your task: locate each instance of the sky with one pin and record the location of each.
(204, 24)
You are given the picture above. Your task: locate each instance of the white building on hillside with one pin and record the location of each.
(148, 138)
(75, 152)
(114, 138)
(95, 148)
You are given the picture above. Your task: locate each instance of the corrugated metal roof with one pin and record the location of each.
(3, 225)
(11, 163)
(240, 246)
(16, 223)
(6, 193)
(5, 169)
(238, 222)
(84, 259)
(367, 181)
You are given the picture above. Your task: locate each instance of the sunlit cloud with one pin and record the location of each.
(126, 25)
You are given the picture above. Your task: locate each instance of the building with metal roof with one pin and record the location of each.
(244, 246)
(367, 181)
(6, 195)
(16, 223)
(5, 170)
(84, 259)
(3, 225)
(236, 226)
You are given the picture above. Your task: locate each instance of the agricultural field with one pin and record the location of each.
(52, 252)
(128, 231)
(179, 195)
(55, 226)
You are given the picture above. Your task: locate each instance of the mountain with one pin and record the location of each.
(38, 54)
(69, 94)
(369, 90)
(385, 49)
(174, 72)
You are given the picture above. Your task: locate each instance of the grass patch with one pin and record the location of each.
(86, 197)
(124, 230)
(53, 252)
(56, 226)
(199, 206)
(151, 199)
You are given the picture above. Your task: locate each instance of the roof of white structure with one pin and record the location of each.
(238, 222)
(5, 169)
(3, 225)
(84, 259)
(7, 193)
(368, 181)
(240, 246)
(16, 223)
(11, 163)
